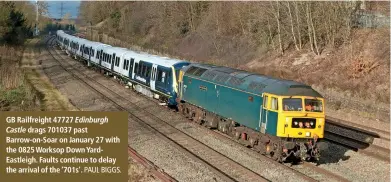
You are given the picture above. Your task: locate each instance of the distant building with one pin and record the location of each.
(373, 14)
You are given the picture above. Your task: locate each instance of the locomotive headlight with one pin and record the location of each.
(307, 133)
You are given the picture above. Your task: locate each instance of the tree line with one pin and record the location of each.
(17, 21)
(277, 25)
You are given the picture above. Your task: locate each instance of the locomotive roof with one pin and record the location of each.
(249, 82)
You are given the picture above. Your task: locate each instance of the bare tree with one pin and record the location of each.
(298, 24)
(292, 28)
(277, 17)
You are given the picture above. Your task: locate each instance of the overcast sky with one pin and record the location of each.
(71, 7)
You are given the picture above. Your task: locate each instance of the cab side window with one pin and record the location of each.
(274, 104)
(265, 98)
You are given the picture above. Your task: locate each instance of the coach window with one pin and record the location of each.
(145, 69)
(131, 63)
(163, 76)
(148, 72)
(159, 75)
(140, 72)
(136, 68)
(117, 61)
(124, 66)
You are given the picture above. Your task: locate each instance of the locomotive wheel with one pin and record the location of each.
(277, 157)
(181, 109)
(224, 127)
(197, 116)
(237, 135)
(252, 142)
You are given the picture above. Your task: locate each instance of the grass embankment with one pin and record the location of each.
(23, 86)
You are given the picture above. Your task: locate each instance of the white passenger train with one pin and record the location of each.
(151, 75)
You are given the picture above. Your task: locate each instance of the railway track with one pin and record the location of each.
(150, 166)
(356, 138)
(226, 168)
(155, 170)
(375, 131)
(310, 169)
(309, 177)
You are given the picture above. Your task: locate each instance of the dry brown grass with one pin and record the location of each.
(15, 92)
(10, 75)
(52, 99)
(23, 86)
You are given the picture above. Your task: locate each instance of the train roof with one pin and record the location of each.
(94, 44)
(154, 59)
(116, 50)
(249, 82)
(168, 62)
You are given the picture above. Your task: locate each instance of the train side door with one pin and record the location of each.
(112, 62)
(153, 76)
(263, 114)
(131, 68)
(89, 55)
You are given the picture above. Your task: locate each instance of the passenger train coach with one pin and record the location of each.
(150, 75)
(280, 118)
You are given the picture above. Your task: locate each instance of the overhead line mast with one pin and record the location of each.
(61, 9)
(36, 31)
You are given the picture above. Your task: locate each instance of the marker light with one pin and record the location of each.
(307, 133)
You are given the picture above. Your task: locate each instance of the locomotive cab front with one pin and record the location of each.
(300, 123)
(301, 117)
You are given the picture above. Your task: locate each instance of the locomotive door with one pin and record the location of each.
(263, 114)
(153, 76)
(213, 98)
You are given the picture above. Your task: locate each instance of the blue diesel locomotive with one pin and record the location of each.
(281, 118)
